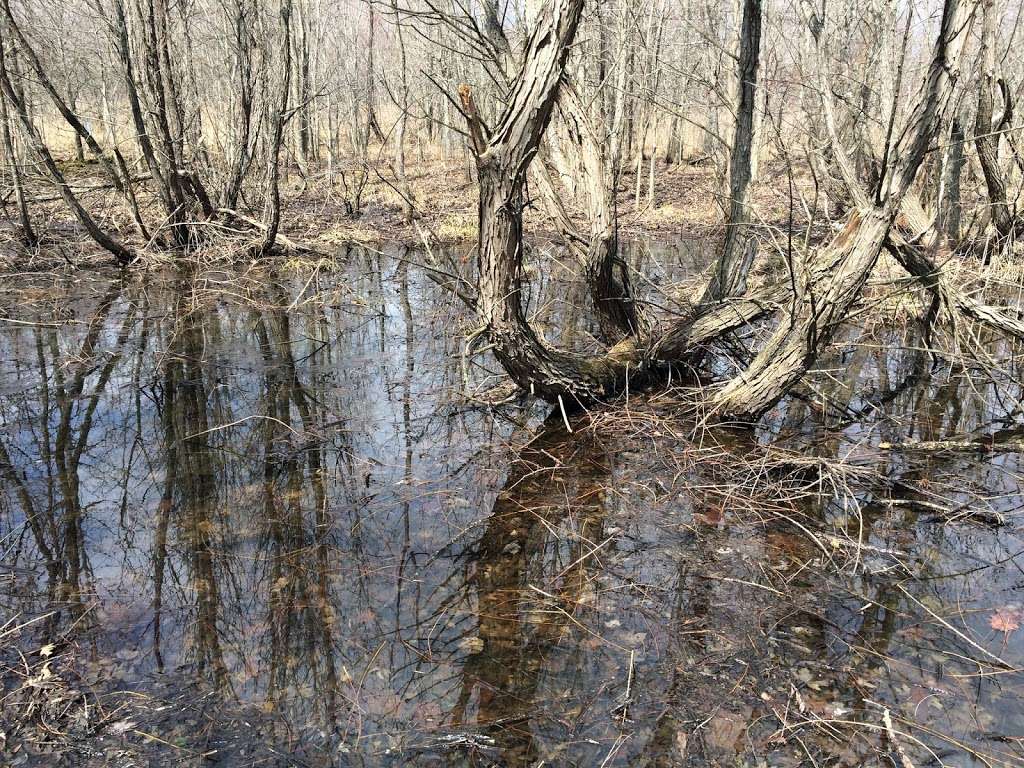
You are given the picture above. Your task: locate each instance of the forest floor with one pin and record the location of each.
(317, 212)
(687, 201)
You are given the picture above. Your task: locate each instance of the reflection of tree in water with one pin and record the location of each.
(726, 643)
(314, 501)
(300, 617)
(190, 495)
(551, 575)
(556, 482)
(70, 387)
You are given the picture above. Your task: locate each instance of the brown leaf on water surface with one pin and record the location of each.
(1006, 619)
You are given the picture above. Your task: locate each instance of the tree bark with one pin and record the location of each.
(950, 208)
(830, 285)
(408, 204)
(830, 288)
(28, 235)
(272, 215)
(734, 263)
(242, 155)
(986, 137)
(606, 274)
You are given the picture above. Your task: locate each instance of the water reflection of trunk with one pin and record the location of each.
(190, 482)
(938, 414)
(301, 620)
(60, 539)
(520, 547)
(406, 555)
(164, 508)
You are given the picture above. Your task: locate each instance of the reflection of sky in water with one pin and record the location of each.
(616, 552)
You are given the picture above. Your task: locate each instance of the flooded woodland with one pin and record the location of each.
(252, 519)
(499, 384)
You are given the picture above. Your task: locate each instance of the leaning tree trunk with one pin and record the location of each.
(834, 283)
(66, 111)
(117, 170)
(914, 242)
(123, 255)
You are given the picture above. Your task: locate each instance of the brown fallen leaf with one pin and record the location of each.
(1006, 619)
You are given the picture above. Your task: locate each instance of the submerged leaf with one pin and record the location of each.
(1006, 619)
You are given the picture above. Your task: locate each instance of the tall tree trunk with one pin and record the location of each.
(307, 146)
(408, 205)
(734, 263)
(986, 137)
(28, 235)
(950, 208)
(242, 152)
(272, 215)
(372, 123)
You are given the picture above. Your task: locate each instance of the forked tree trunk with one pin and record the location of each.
(606, 274)
(502, 163)
(163, 132)
(832, 284)
(835, 281)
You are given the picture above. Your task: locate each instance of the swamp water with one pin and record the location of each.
(249, 520)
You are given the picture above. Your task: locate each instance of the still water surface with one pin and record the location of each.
(254, 515)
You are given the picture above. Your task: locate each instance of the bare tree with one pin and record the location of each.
(824, 291)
